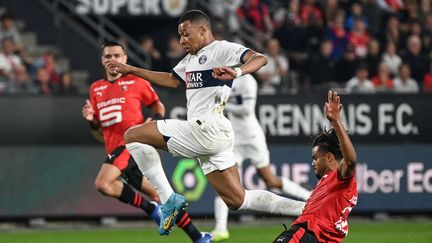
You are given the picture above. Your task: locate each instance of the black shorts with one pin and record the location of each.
(297, 234)
(121, 159)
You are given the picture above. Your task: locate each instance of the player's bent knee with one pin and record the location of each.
(272, 183)
(129, 135)
(103, 186)
(233, 203)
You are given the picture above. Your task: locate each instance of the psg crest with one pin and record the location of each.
(202, 59)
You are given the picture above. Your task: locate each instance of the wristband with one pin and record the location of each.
(93, 126)
(238, 72)
(157, 116)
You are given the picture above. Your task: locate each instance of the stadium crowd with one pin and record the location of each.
(367, 46)
(21, 73)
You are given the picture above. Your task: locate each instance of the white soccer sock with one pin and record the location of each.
(268, 202)
(150, 165)
(221, 214)
(291, 188)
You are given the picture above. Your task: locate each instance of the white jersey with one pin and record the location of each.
(241, 111)
(203, 92)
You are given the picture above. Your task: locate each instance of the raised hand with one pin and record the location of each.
(333, 106)
(87, 111)
(117, 67)
(224, 73)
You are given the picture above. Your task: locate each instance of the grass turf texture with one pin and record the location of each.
(367, 232)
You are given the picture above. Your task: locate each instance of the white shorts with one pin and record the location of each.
(210, 141)
(256, 151)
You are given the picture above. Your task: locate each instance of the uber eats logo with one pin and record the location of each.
(189, 179)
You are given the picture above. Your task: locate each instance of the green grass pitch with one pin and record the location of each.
(367, 232)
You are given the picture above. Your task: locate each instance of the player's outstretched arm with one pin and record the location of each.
(333, 108)
(160, 78)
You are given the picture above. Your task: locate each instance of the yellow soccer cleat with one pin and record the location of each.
(220, 235)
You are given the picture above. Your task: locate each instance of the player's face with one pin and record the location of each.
(191, 36)
(320, 163)
(113, 53)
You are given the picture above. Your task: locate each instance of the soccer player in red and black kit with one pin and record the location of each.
(324, 217)
(114, 106)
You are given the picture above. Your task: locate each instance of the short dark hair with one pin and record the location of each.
(112, 43)
(6, 16)
(195, 16)
(327, 141)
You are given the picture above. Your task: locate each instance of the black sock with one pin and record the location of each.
(131, 197)
(185, 222)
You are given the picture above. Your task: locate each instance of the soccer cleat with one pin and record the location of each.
(156, 214)
(220, 235)
(205, 238)
(169, 212)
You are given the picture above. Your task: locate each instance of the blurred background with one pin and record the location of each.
(376, 53)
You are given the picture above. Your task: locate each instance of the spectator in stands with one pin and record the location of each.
(8, 30)
(309, 7)
(289, 11)
(373, 14)
(360, 84)
(12, 70)
(338, 35)
(346, 66)
(427, 81)
(359, 38)
(330, 9)
(410, 13)
(425, 7)
(392, 33)
(391, 6)
(254, 17)
(415, 28)
(404, 83)
(383, 81)
(373, 57)
(175, 51)
(356, 13)
(293, 40)
(391, 58)
(67, 86)
(43, 82)
(314, 33)
(148, 47)
(427, 34)
(48, 61)
(225, 11)
(419, 63)
(276, 70)
(322, 71)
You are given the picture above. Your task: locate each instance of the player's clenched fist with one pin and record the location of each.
(87, 111)
(224, 73)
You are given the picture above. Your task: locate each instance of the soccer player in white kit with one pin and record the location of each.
(250, 143)
(207, 135)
